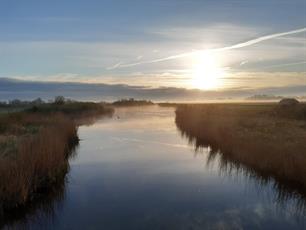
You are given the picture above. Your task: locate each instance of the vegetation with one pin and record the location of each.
(169, 104)
(264, 97)
(266, 138)
(44, 204)
(34, 148)
(74, 109)
(18, 105)
(132, 102)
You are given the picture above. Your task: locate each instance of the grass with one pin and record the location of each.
(34, 149)
(266, 138)
(32, 161)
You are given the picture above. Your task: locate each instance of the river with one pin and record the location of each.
(136, 171)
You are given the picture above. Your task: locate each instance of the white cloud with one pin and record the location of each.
(99, 61)
(181, 79)
(221, 49)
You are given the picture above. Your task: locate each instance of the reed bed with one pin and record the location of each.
(35, 145)
(260, 137)
(38, 157)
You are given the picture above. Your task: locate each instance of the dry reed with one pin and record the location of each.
(40, 158)
(255, 136)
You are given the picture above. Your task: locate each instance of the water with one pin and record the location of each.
(135, 171)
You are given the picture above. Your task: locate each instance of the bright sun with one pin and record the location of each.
(206, 73)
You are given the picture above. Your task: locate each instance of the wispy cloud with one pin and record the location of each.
(114, 66)
(244, 62)
(12, 88)
(284, 65)
(226, 48)
(179, 79)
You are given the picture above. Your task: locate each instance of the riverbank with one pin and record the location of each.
(35, 145)
(266, 138)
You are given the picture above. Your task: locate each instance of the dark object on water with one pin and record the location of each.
(289, 102)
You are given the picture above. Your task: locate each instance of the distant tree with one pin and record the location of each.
(15, 102)
(131, 102)
(37, 101)
(59, 100)
(3, 103)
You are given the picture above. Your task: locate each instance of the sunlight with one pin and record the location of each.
(207, 73)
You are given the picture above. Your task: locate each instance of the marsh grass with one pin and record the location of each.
(39, 159)
(259, 137)
(34, 148)
(41, 207)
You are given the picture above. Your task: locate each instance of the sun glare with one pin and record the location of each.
(206, 72)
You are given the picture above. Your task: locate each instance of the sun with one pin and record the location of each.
(206, 72)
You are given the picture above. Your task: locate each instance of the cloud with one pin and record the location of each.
(260, 39)
(284, 65)
(244, 62)
(235, 46)
(114, 66)
(12, 88)
(180, 78)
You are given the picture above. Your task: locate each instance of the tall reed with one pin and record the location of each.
(39, 160)
(252, 135)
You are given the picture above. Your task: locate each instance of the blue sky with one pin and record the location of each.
(93, 41)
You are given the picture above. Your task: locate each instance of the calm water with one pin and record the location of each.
(135, 171)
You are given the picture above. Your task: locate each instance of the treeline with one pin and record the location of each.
(59, 100)
(18, 102)
(132, 102)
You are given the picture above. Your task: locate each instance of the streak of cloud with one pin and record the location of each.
(236, 46)
(243, 63)
(114, 66)
(284, 65)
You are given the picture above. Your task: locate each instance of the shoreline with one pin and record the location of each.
(261, 138)
(35, 146)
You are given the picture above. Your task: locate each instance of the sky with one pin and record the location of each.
(208, 45)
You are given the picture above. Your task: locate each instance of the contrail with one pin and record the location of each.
(260, 39)
(114, 66)
(120, 65)
(236, 46)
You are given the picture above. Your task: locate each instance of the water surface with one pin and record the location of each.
(135, 171)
